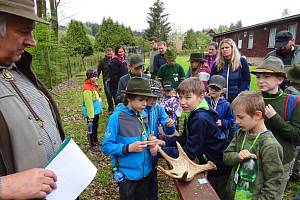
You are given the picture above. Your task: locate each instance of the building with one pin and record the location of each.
(257, 40)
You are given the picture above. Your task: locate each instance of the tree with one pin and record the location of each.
(54, 18)
(94, 28)
(237, 25)
(111, 34)
(41, 8)
(77, 41)
(158, 22)
(286, 12)
(190, 40)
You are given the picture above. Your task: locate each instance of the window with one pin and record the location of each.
(250, 41)
(292, 28)
(240, 43)
(272, 37)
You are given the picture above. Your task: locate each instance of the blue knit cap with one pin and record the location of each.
(92, 74)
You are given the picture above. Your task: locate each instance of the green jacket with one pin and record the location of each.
(287, 133)
(269, 163)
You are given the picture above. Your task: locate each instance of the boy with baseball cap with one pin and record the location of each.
(217, 102)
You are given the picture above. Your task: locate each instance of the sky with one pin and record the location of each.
(183, 14)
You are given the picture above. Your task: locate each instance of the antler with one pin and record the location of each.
(182, 167)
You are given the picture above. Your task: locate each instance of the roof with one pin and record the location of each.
(260, 24)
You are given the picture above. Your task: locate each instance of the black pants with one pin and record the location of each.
(135, 190)
(93, 139)
(153, 187)
(219, 184)
(108, 96)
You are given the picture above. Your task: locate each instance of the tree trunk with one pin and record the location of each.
(54, 17)
(41, 8)
(47, 68)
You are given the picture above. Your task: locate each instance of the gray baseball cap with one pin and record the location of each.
(218, 81)
(136, 60)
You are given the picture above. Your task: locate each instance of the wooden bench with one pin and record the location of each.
(193, 190)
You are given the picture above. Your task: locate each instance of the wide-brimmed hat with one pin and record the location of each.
(170, 54)
(217, 81)
(139, 86)
(21, 8)
(282, 38)
(271, 64)
(293, 73)
(197, 57)
(136, 60)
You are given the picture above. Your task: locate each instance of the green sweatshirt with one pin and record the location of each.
(269, 163)
(287, 133)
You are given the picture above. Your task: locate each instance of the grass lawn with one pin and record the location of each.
(68, 96)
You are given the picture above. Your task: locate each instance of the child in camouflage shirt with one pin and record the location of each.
(253, 140)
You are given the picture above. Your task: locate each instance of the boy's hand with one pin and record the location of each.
(169, 122)
(244, 154)
(161, 143)
(219, 122)
(137, 146)
(270, 112)
(152, 143)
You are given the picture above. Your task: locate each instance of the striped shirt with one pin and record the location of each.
(40, 104)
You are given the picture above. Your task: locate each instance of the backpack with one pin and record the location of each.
(289, 106)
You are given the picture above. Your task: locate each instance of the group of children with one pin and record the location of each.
(266, 126)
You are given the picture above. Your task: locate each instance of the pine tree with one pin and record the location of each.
(77, 41)
(158, 22)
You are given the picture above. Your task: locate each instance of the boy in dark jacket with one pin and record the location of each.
(126, 141)
(253, 140)
(201, 137)
(217, 102)
(269, 75)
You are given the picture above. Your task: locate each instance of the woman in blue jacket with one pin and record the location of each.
(233, 67)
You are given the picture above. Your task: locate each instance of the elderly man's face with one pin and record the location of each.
(18, 37)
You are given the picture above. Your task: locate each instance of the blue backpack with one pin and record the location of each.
(289, 106)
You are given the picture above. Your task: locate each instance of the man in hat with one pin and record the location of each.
(136, 67)
(286, 50)
(198, 68)
(171, 72)
(31, 129)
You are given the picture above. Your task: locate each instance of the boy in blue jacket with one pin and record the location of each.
(201, 137)
(217, 102)
(125, 140)
(157, 117)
